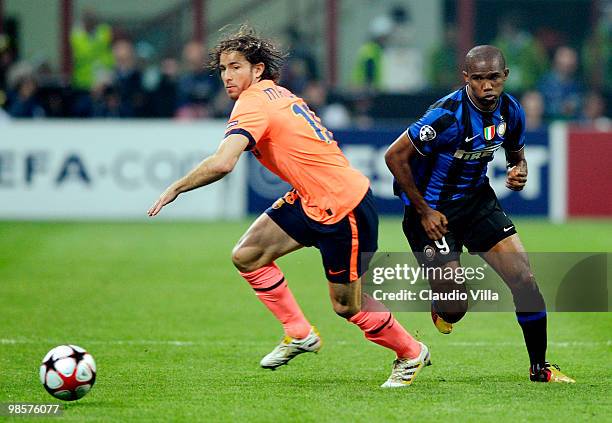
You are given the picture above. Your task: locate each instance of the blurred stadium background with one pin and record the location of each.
(103, 104)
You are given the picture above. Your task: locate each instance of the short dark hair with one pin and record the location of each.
(254, 48)
(486, 53)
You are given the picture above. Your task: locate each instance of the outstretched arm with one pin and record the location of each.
(208, 171)
(398, 158)
(517, 170)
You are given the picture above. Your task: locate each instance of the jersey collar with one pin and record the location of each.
(264, 83)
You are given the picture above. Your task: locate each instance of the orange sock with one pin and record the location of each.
(381, 328)
(269, 285)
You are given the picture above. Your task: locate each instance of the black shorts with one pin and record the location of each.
(341, 244)
(476, 221)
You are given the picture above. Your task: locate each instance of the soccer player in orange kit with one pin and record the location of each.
(331, 206)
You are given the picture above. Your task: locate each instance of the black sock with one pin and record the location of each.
(534, 332)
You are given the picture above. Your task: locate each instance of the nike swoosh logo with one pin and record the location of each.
(331, 272)
(508, 228)
(470, 139)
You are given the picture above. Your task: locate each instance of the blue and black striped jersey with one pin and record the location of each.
(456, 140)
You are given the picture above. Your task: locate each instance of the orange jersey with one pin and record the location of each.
(289, 140)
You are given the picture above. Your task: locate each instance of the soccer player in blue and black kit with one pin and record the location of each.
(440, 166)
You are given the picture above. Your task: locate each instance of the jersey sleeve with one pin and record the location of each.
(248, 118)
(436, 129)
(515, 137)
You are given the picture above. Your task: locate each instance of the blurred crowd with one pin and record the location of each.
(115, 77)
(555, 75)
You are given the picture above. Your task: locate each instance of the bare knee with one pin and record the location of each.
(246, 259)
(524, 280)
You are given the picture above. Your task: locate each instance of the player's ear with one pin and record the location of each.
(506, 73)
(466, 78)
(259, 69)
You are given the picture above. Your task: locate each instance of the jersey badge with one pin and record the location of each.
(427, 133)
(430, 252)
(489, 132)
(501, 128)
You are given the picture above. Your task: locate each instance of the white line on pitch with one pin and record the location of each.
(10, 341)
(4, 341)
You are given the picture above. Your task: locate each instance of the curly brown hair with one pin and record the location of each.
(254, 48)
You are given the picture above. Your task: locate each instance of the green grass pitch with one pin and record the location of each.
(178, 335)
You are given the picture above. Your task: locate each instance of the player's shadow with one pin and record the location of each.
(84, 404)
(585, 286)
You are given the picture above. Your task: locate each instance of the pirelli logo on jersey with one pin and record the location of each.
(476, 154)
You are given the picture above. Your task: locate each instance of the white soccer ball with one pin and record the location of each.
(68, 372)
